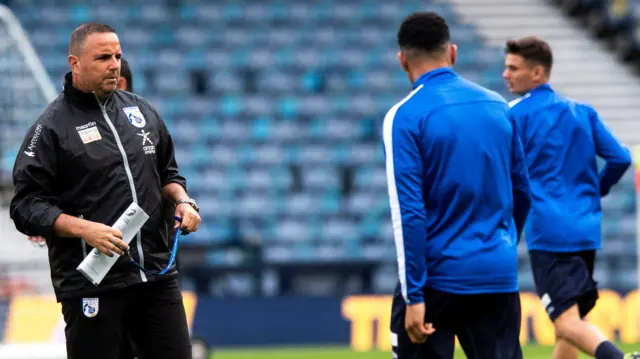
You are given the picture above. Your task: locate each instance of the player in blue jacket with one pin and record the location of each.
(561, 140)
(459, 196)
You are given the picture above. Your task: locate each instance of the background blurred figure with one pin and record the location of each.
(563, 140)
(126, 76)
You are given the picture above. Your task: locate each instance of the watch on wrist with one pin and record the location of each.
(190, 201)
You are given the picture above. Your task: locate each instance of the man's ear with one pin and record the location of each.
(74, 63)
(402, 58)
(454, 54)
(539, 73)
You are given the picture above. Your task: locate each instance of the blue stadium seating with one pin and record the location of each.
(275, 108)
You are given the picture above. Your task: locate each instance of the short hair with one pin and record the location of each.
(424, 32)
(125, 71)
(533, 49)
(80, 34)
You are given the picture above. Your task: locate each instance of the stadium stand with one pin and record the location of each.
(614, 23)
(27, 89)
(276, 108)
(610, 86)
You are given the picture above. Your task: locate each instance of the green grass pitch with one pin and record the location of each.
(530, 352)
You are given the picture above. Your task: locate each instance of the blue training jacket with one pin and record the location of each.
(456, 180)
(561, 140)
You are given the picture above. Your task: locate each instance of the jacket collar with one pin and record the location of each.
(541, 88)
(77, 97)
(433, 75)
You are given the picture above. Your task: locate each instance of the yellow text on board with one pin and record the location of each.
(370, 319)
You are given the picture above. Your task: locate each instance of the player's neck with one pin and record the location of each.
(535, 85)
(420, 69)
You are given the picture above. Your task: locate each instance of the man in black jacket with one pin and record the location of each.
(125, 82)
(92, 152)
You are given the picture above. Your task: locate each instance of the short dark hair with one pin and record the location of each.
(80, 34)
(533, 49)
(125, 71)
(425, 32)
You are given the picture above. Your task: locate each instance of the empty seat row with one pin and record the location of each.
(275, 110)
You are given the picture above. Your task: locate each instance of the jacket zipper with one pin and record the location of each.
(84, 244)
(127, 169)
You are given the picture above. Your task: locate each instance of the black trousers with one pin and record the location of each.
(152, 314)
(128, 350)
(487, 325)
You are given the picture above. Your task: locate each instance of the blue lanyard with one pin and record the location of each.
(172, 258)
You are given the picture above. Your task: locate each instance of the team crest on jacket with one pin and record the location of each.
(134, 116)
(90, 307)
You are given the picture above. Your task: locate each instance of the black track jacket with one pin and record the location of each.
(92, 161)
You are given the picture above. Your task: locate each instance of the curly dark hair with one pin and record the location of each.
(426, 32)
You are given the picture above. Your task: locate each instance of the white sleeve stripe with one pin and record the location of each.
(519, 99)
(396, 216)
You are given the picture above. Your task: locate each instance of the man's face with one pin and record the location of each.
(519, 75)
(97, 67)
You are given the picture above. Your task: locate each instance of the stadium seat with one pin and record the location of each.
(276, 108)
